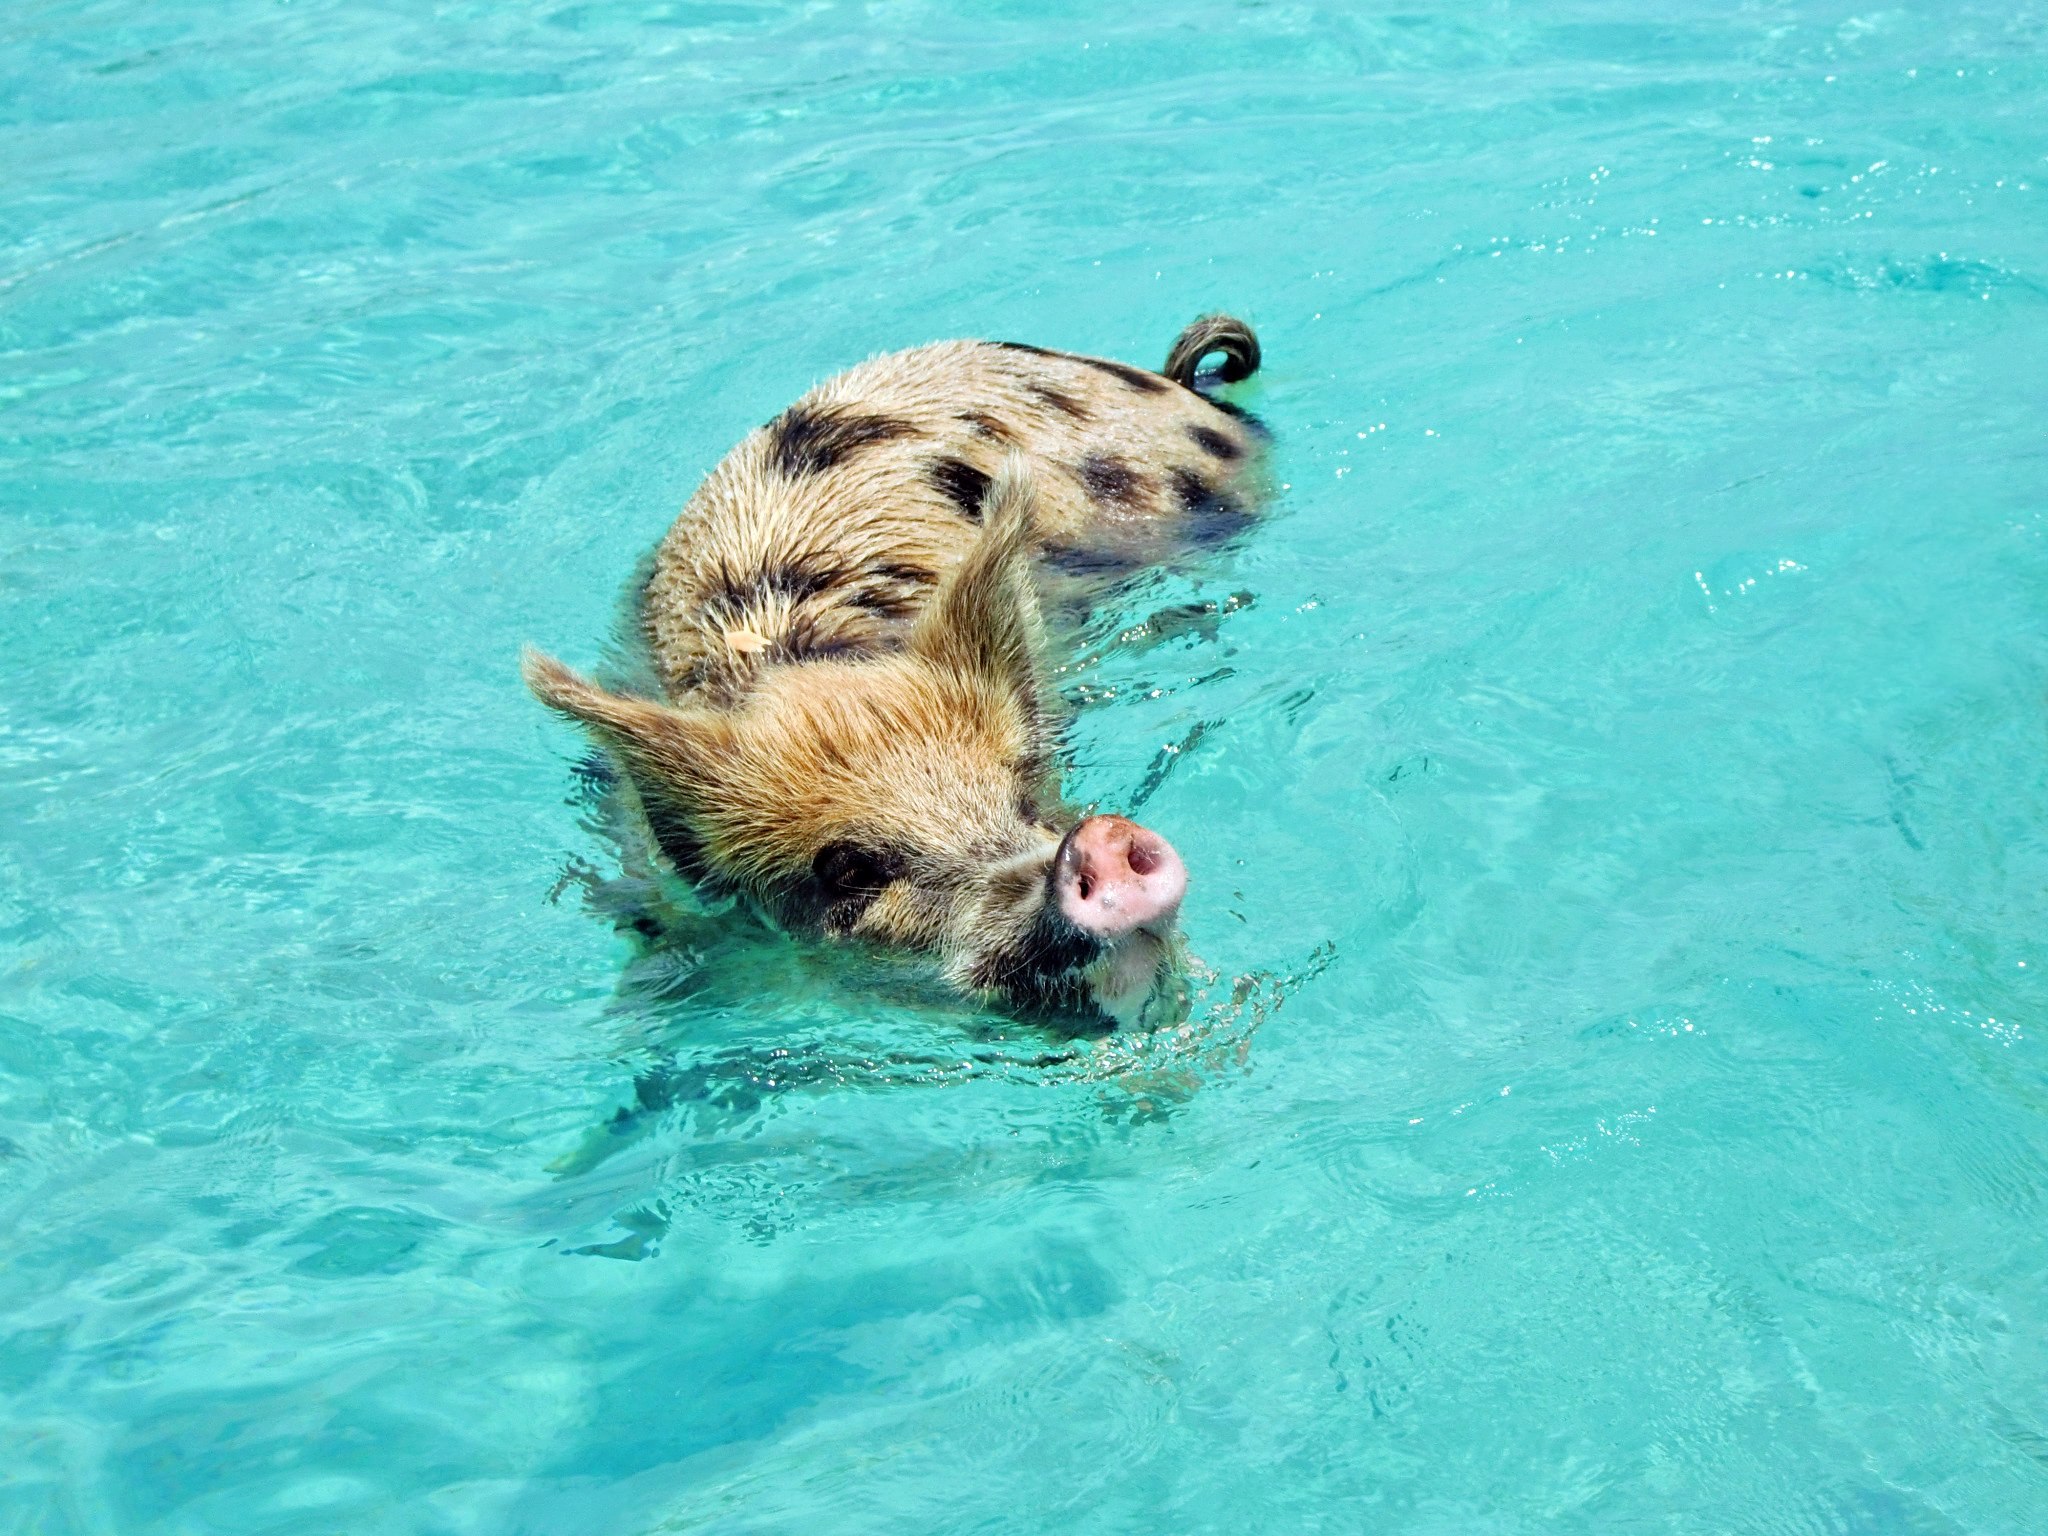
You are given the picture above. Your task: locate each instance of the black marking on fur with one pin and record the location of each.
(1059, 400)
(962, 484)
(801, 577)
(987, 426)
(1108, 478)
(1214, 443)
(806, 640)
(810, 439)
(1213, 515)
(893, 590)
(729, 590)
(909, 575)
(1191, 490)
(1137, 378)
(798, 578)
(884, 605)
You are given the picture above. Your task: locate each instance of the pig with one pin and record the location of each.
(851, 730)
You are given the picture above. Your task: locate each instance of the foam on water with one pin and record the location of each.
(1612, 782)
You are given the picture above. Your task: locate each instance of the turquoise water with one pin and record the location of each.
(1618, 816)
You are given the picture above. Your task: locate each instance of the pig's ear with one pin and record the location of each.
(984, 617)
(668, 753)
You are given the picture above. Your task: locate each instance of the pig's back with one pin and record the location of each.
(824, 531)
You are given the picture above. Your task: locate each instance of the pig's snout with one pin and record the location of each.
(1112, 875)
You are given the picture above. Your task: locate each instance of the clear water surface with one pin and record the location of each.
(1617, 821)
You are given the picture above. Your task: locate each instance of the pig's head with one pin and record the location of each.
(910, 800)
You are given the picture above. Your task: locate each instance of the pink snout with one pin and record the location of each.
(1112, 875)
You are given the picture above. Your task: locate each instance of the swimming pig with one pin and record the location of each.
(855, 734)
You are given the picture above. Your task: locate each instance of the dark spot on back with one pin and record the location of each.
(800, 578)
(960, 483)
(987, 426)
(1137, 378)
(887, 605)
(1215, 443)
(1110, 479)
(892, 590)
(909, 575)
(1048, 394)
(1190, 489)
(1059, 400)
(731, 591)
(806, 639)
(1213, 515)
(807, 439)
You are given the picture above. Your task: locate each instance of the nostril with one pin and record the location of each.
(1084, 888)
(1143, 857)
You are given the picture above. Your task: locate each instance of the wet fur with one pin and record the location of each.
(854, 732)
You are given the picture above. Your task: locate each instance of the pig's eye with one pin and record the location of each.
(852, 877)
(849, 870)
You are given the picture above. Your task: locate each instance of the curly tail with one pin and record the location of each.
(1214, 333)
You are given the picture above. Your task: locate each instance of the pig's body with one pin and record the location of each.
(854, 731)
(823, 533)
